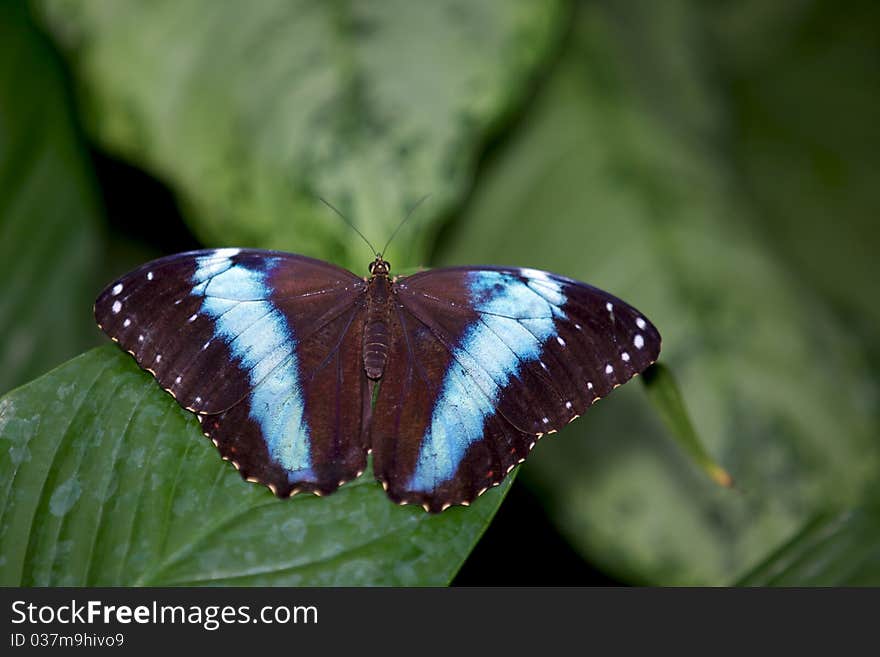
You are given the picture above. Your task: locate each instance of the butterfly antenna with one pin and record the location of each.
(353, 227)
(405, 219)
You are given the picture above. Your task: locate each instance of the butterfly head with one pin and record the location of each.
(380, 266)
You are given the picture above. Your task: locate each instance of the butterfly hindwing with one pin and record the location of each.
(444, 457)
(259, 344)
(485, 362)
(306, 436)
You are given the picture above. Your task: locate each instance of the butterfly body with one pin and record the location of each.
(376, 335)
(280, 356)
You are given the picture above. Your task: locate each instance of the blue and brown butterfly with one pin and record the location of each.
(280, 357)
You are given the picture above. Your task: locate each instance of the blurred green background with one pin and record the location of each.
(713, 163)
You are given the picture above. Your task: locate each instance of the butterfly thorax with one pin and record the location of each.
(376, 334)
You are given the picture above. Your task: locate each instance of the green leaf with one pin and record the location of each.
(252, 111)
(833, 549)
(105, 480)
(49, 240)
(665, 394)
(619, 177)
(804, 134)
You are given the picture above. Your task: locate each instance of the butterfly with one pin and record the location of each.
(298, 369)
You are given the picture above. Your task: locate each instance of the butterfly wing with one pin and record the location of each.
(264, 346)
(485, 361)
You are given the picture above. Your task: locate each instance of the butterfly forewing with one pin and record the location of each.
(260, 344)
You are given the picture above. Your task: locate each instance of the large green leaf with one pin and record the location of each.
(801, 81)
(48, 212)
(105, 480)
(804, 98)
(619, 177)
(250, 111)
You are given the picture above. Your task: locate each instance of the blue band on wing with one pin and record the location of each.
(261, 340)
(489, 355)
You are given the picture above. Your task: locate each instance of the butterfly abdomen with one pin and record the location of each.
(376, 335)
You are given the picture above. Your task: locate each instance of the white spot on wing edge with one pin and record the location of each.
(126, 323)
(535, 273)
(149, 275)
(568, 405)
(625, 357)
(589, 385)
(609, 369)
(640, 323)
(225, 253)
(117, 306)
(609, 307)
(116, 289)
(639, 341)
(560, 341)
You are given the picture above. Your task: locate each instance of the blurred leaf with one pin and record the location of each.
(107, 481)
(665, 394)
(251, 111)
(804, 103)
(48, 211)
(618, 177)
(833, 549)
